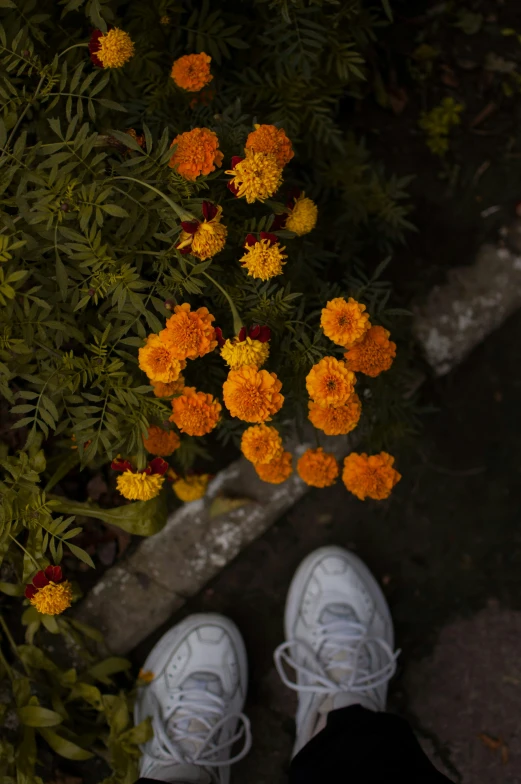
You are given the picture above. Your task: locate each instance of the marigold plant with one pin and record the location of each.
(192, 72)
(261, 444)
(373, 354)
(370, 476)
(252, 395)
(196, 153)
(317, 468)
(277, 470)
(195, 413)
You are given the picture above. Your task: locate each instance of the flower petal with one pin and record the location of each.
(209, 210)
(190, 226)
(30, 591)
(250, 240)
(158, 466)
(122, 465)
(40, 580)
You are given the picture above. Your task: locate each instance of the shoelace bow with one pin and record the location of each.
(333, 638)
(209, 710)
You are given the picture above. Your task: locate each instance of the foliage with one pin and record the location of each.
(89, 267)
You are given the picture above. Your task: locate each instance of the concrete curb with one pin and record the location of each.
(474, 301)
(137, 595)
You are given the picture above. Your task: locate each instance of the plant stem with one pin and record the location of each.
(28, 554)
(237, 321)
(182, 214)
(74, 46)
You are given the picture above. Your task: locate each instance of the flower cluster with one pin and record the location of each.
(140, 485)
(49, 592)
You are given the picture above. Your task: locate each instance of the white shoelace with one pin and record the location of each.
(336, 638)
(209, 711)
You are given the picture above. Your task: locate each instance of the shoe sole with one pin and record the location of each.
(304, 572)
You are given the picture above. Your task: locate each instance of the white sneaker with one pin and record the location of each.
(339, 639)
(195, 701)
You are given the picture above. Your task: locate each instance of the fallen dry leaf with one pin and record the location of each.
(222, 505)
(505, 755)
(491, 743)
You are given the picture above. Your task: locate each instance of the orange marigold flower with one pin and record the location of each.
(161, 442)
(329, 382)
(256, 177)
(195, 413)
(192, 487)
(370, 476)
(261, 444)
(276, 471)
(252, 395)
(336, 420)
(373, 354)
(271, 140)
(49, 592)
(203, 238)
(197, 152)
(192, 72)
(169, 390)
(189, 333)
(159, 360)
(318, 468)
(145, 677)
(345, 323)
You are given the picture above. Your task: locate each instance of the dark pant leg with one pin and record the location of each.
(359, 746)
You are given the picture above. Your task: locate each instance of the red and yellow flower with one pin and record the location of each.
(203, 239)
(264, 257)
(255, 177)
(111, 49)
(300, 215)
(250, 347)
(140, 485)
(49, 591)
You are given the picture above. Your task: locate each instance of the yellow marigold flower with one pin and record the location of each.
(256, 177)
(276, 471)
(192, 72)
(264, 258)
(271, 140)
(195, 413)
(329, 382)
(252, 395)
(345, 323)
(237, 353)
(197, 153)
(317, 468)
(145, 677)
(204, 238)
(161, 442)
(336, 420)
(53, 599)
(139, 486)
(370, 476)
(115, 48)
(191, 488)
(169, 390)
(302, 217)
(373, 354)
(189, 334)
(159, 360)
(261, 444)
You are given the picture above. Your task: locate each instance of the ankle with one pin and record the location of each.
(336, 702)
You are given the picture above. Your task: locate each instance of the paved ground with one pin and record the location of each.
(446, 547)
